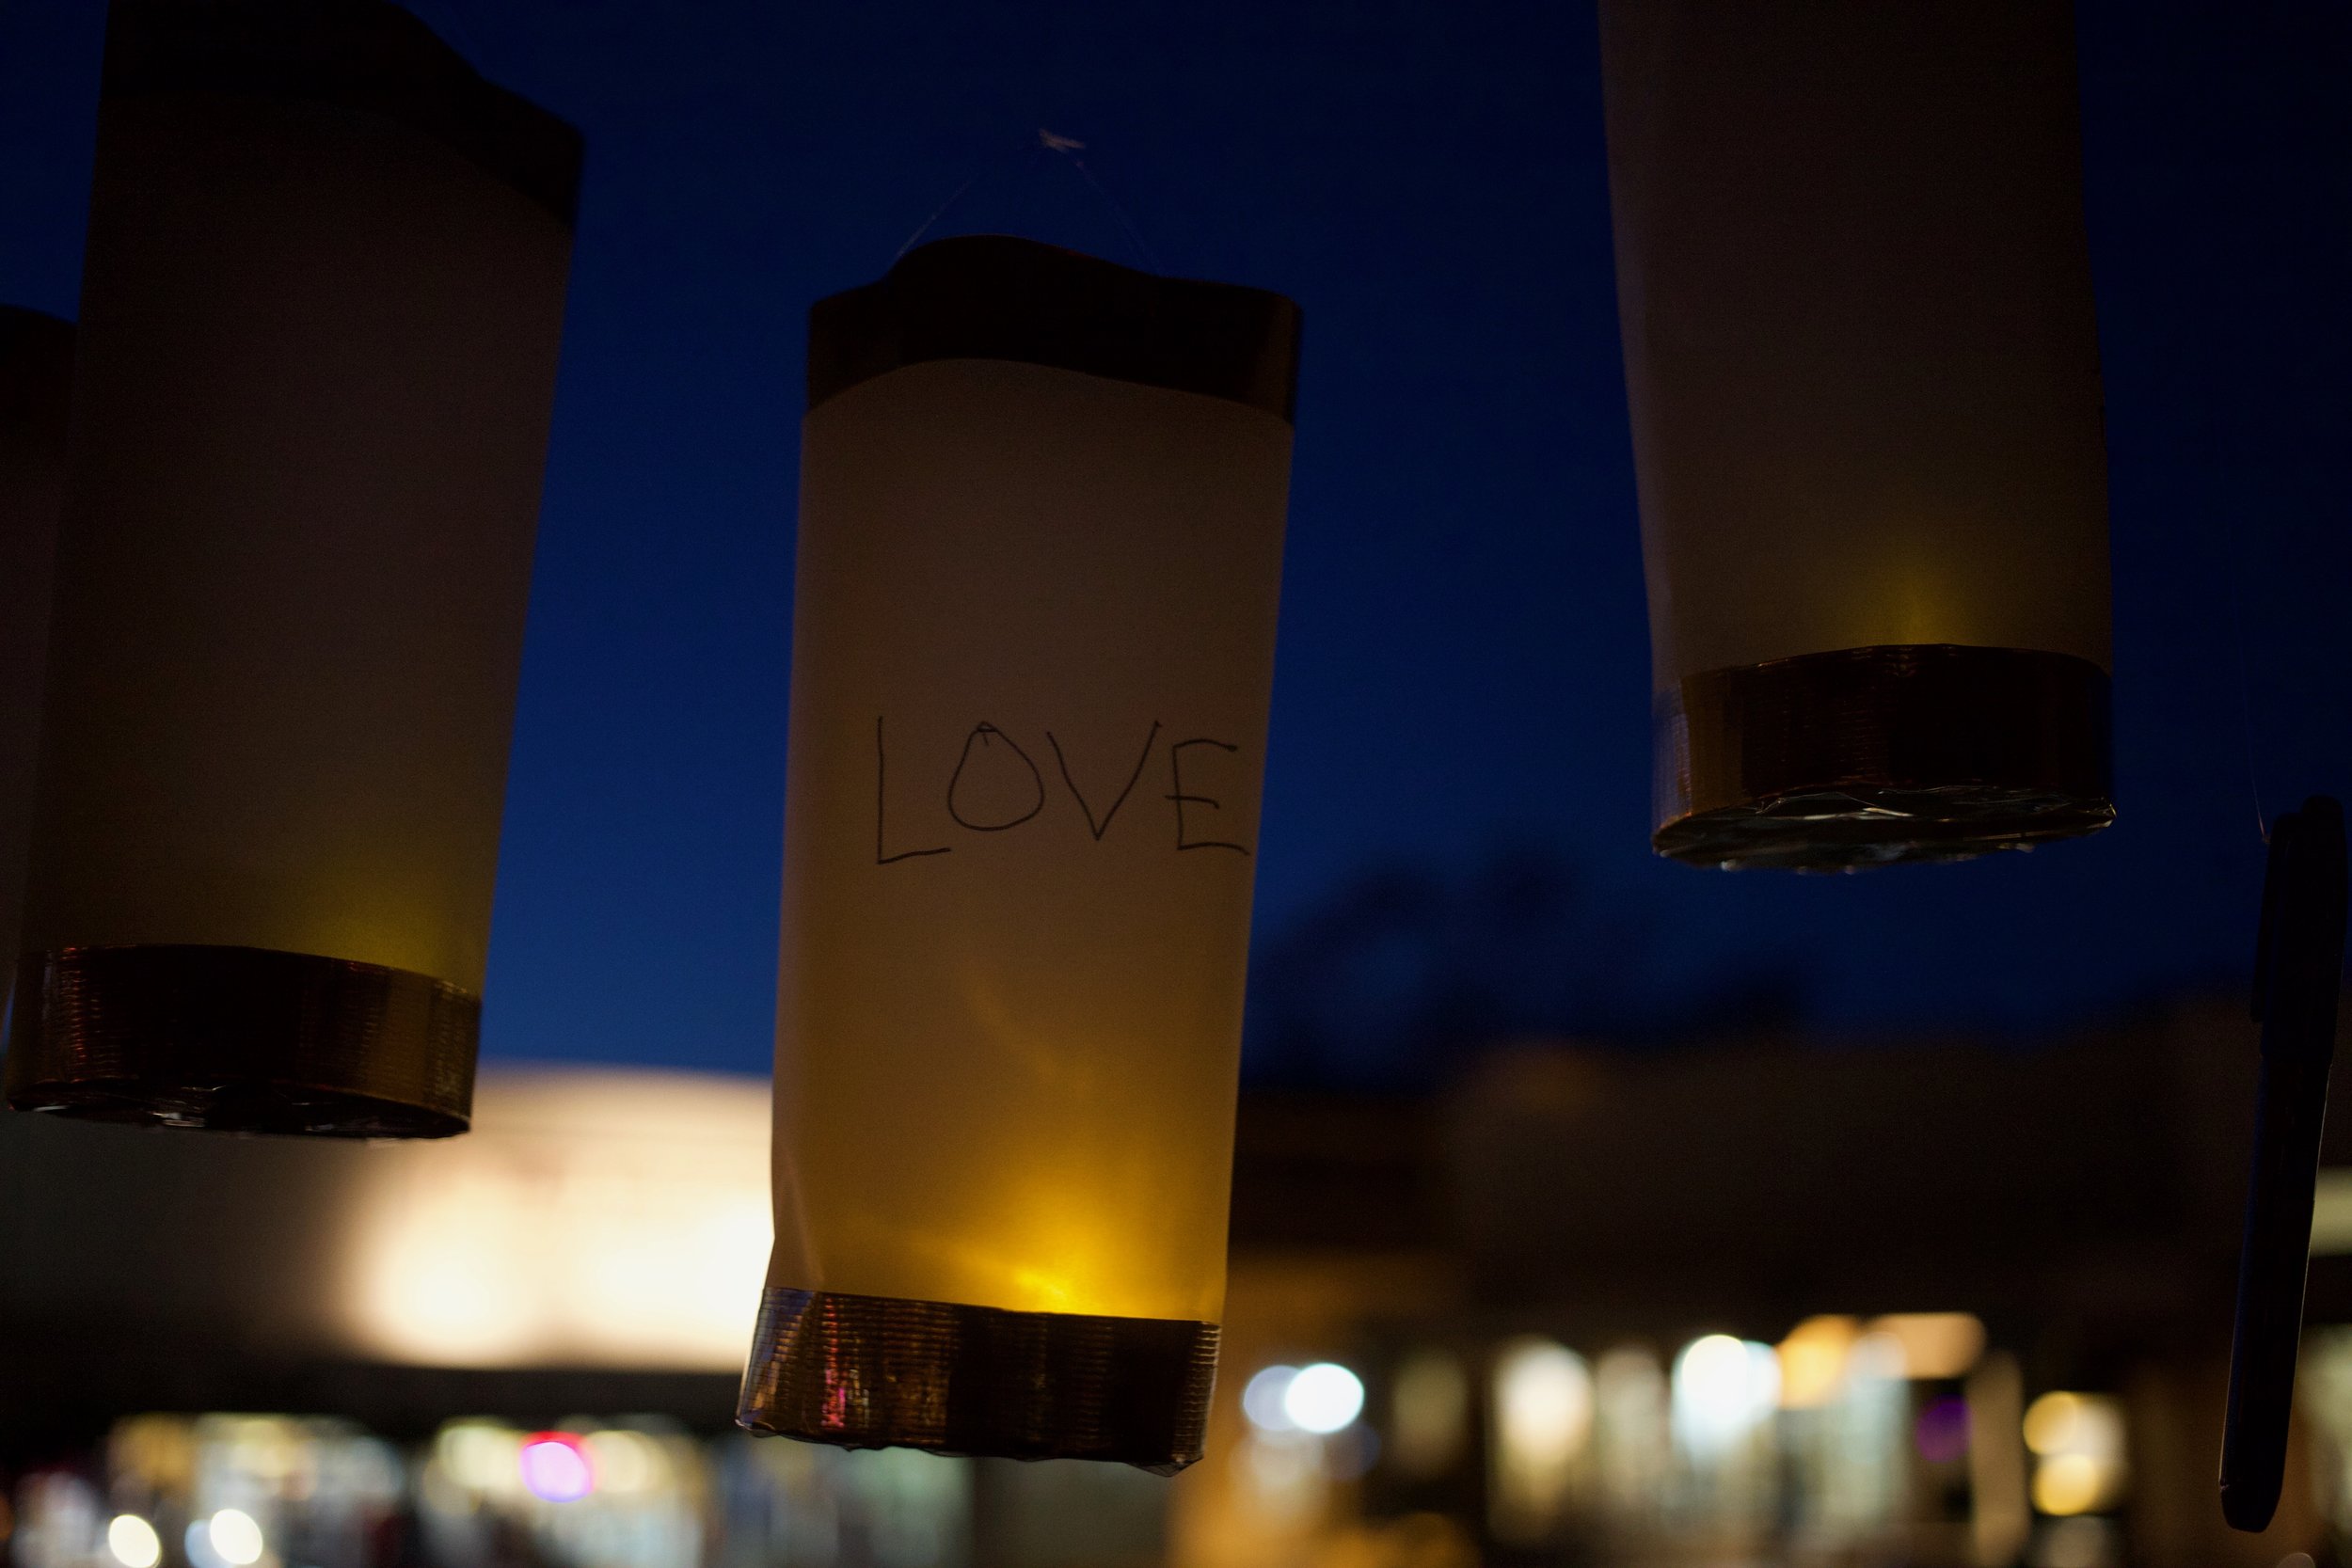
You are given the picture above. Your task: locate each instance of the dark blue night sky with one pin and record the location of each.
(1461, 715)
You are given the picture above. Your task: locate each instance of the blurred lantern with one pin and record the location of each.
(1040, 549)
(1864, 378)
(321, 302)
(36, 369)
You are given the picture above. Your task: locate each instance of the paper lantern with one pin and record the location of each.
(321, 304)
(36, 370)
(1042, 504)
(1864, 378)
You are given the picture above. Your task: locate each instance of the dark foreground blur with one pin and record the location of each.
(1757, 1302)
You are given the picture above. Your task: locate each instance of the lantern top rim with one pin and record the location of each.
(998, 296)
(368, 55)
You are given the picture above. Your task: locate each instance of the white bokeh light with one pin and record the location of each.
(1724, 1390)
(134, 1541)
(234, 1537)
(1323, 1397)
(1543, 1419)
(1262, 1398)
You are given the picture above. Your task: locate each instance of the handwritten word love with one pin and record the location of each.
(997, 786)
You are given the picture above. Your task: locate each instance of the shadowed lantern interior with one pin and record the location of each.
(1864, 378)
(321, 298)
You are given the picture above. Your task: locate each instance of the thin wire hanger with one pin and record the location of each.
(1068, 148)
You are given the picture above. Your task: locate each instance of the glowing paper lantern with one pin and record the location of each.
(1864, 378)
(1040, 542)
(35, 371)
(322, 299)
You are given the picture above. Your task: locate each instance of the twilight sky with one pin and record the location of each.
(1463, 669)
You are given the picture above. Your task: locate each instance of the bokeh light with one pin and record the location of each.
(2078, 1443)
(1936, 1344)
(1429, 1415)
(1322, 1398)
(1543, 1402)
(1285, 1474)
(1633, 1428)
(1543, 1406)
(1262, 1398)
(235, 1537)
(1813, 1361)
(134, 1541)
(623, 1461)
(1724, 1390)
(1941, 1433)
(555, 1468)
(2075, 1423)
(2066, 1483)
(478, 1455)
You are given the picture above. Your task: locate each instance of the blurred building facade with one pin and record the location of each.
(1761, 1301)
(1771, 1300)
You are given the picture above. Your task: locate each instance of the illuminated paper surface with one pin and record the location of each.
(1032, 661)
(1855, 291)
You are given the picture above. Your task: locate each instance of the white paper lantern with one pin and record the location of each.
(36, 373)
(1864, 376)
(321, 304)
(1041, 534)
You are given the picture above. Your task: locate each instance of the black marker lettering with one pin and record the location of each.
(987, 735)
(880, 768)
(1176, 777)
(1099, 828)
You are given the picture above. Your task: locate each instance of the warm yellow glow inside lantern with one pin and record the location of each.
(322, 299)
(1863, 379)
(1040, 555)
(36, 371)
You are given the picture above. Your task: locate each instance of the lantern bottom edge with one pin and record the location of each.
(1857, 757)
(982, 1382)
(241, 1040)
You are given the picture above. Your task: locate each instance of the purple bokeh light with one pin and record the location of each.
(1942, 1431)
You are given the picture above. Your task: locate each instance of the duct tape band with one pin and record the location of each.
(881, 1371)
(368, 55)
(991, 296)
(242, 1040)
(1866, 756)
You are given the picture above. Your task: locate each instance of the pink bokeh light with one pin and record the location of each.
(555, 1468)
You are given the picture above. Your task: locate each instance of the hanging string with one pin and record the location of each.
(1044, 141)
(1071, 149)
(986, 167)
